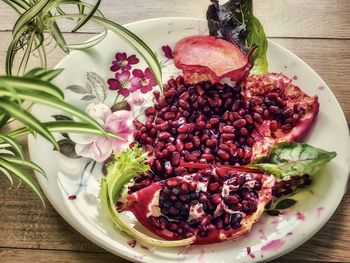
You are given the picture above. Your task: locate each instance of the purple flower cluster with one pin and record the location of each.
(126, 81)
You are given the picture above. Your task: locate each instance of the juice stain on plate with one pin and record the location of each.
(249, 252)
(273, 245)
(300, 216)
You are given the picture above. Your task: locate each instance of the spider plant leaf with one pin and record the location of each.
(23, 162)
(65, 127)
(7, 174)
(13, 6)
(21, 3)
(61, 12)
(27, 119)
(58, 36)
(28, 15)
(89, 43)
(11, 53)
(16, 147)
(84, 20)
(23, 176)
(25, 57)
(46, 99)
(44, 75)
(19, 84)
(4, 117)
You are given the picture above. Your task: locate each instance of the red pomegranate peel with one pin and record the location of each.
(226, 167)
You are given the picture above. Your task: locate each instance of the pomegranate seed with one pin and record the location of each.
(175, 158)
(164, 136)
(173, 182)
(137, 124)
(216, 199)
(213, 187)
(240, 123)
(211, 142)
(223, 155)
(227, 136)
(188, 145)
(231, 200)
(273, 125)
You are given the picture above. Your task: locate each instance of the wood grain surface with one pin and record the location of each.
(318, 31)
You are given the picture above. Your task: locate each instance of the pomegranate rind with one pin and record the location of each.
(205, 58)
(139, 204)
(260, 85)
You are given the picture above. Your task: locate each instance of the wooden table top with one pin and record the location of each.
(318, 31)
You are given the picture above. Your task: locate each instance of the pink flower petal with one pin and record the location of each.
(124, 92)
(113, 84)
(120, 56)
(115, 66)
(98, 111)
(82, 138)
(145, 89)
(84, 150)
(149, 75)
(138, 73)
(133, 59)
(119, 123)
(123, 76)
(102, 149)
(135, 84)
(137, 99)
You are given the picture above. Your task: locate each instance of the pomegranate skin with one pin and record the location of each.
(208, 58)
(145, 204)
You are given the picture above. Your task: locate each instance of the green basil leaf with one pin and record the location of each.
(293, 159)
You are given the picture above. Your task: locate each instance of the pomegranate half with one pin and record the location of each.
(212, 205)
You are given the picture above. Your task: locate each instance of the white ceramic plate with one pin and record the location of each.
(271, 237)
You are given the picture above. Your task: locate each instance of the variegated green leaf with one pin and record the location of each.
(7, 174)
(28, 16)
(65, 127)
(28, 84)
(27, 119)
(27, 163)
(23, 176)
(42, 98)
(16, 147)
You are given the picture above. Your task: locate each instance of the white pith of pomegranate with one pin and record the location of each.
(213, 205)
(205, 58)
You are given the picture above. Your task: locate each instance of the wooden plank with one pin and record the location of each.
(288, 18)
(9, 255)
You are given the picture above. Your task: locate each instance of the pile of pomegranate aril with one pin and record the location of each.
(207, 123)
